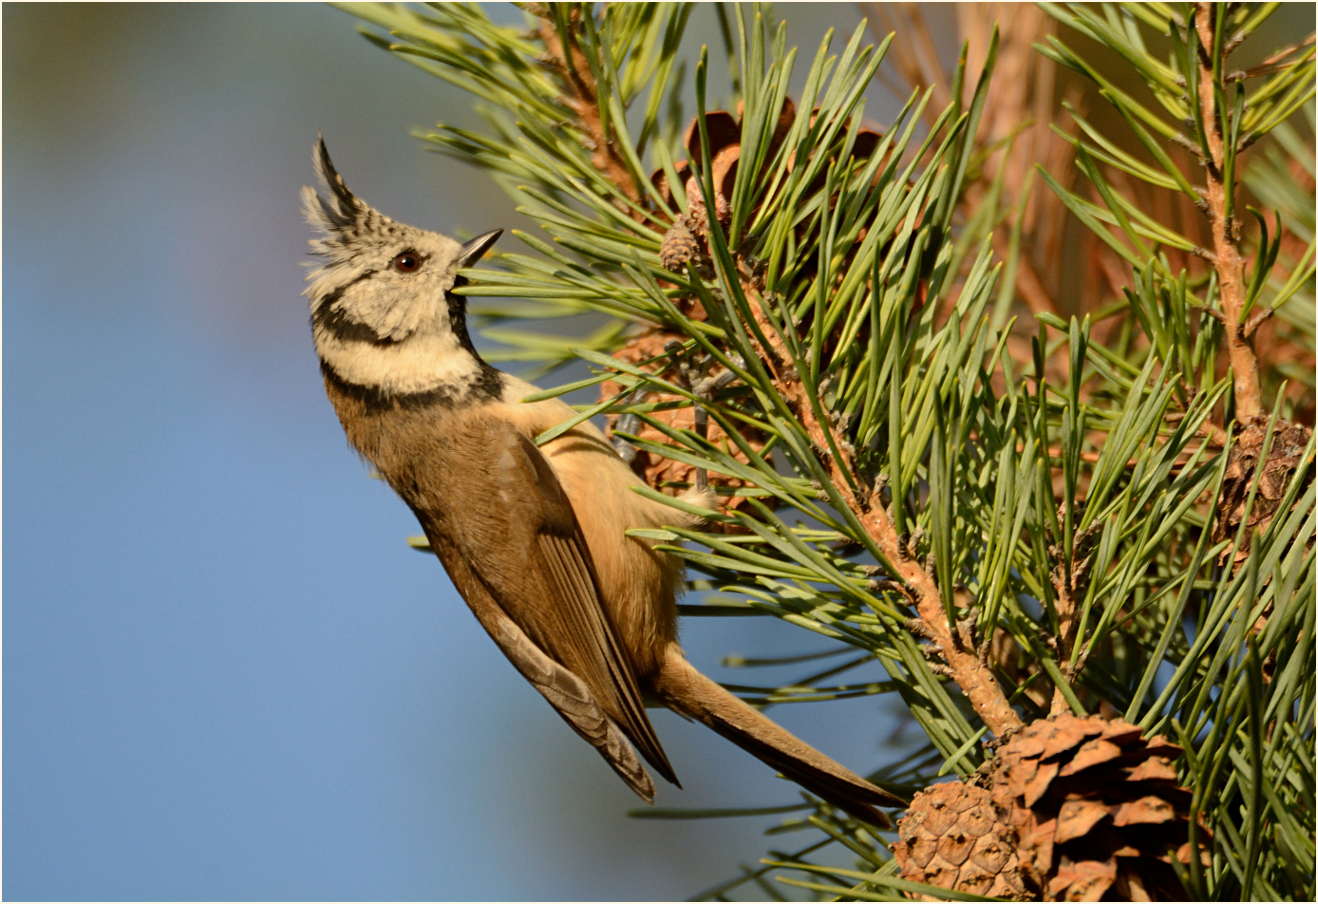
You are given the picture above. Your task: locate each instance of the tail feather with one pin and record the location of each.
(687, 691)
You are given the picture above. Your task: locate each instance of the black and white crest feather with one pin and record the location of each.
(347, 223)
(343, 208)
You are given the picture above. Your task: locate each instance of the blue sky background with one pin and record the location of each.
(225, 674)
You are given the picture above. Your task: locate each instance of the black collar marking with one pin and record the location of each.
(486, 387)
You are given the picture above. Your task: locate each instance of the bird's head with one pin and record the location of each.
(382, 310)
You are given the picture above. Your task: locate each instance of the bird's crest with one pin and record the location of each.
(348, 225)
(346, 221)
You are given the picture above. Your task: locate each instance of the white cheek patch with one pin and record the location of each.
(417, 364)
(395, 307)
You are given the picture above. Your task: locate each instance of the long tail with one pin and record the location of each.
(686, 691)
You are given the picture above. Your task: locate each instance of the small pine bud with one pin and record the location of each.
(679, 246)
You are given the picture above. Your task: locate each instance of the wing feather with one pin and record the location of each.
(566, 692)
(516, 542)
(567, 559)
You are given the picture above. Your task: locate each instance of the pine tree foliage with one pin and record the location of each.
(1008, 545)
(1214, 114)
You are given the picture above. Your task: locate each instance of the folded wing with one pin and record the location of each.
(517, 556)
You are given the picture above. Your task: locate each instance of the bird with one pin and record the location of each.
(534, 538)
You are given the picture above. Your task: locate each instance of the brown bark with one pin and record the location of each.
(1068, 622)
(1230, 264)
(1070, 586)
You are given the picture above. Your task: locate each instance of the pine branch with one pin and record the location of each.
(1227, 258)
(808, 315)
(564, 56)
(966, 666)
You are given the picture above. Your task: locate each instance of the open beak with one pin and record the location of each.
(474, 250)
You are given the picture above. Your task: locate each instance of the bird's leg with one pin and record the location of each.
(627, 423)
(705, 388)
(684, 369)
(702, 430)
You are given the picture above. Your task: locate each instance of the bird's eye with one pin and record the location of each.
(408, 262)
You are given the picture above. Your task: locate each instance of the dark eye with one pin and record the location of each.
(408, 262)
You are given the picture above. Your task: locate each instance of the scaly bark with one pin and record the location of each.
(583, 100)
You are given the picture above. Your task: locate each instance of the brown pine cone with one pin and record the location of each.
(685, 241)
(1090, 810)
(680, 245)
(951, 838)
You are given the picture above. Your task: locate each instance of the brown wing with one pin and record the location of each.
(566, 692)
(517, 556)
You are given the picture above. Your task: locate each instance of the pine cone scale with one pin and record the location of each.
(1091, 753)
(1149, 809)
(1153, 769)
(955, 847)
(1083, 881)
(1076, 818)
(1037, 785)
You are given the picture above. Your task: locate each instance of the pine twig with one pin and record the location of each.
(1069, 584)
(573, 67)
(964, 665)
(1229, 262)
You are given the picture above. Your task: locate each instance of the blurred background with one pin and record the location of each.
(226, 676)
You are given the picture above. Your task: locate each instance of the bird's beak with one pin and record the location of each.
(474, 250)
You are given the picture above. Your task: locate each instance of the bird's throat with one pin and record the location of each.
(437, 367)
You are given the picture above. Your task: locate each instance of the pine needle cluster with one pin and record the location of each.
(1016, 519)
